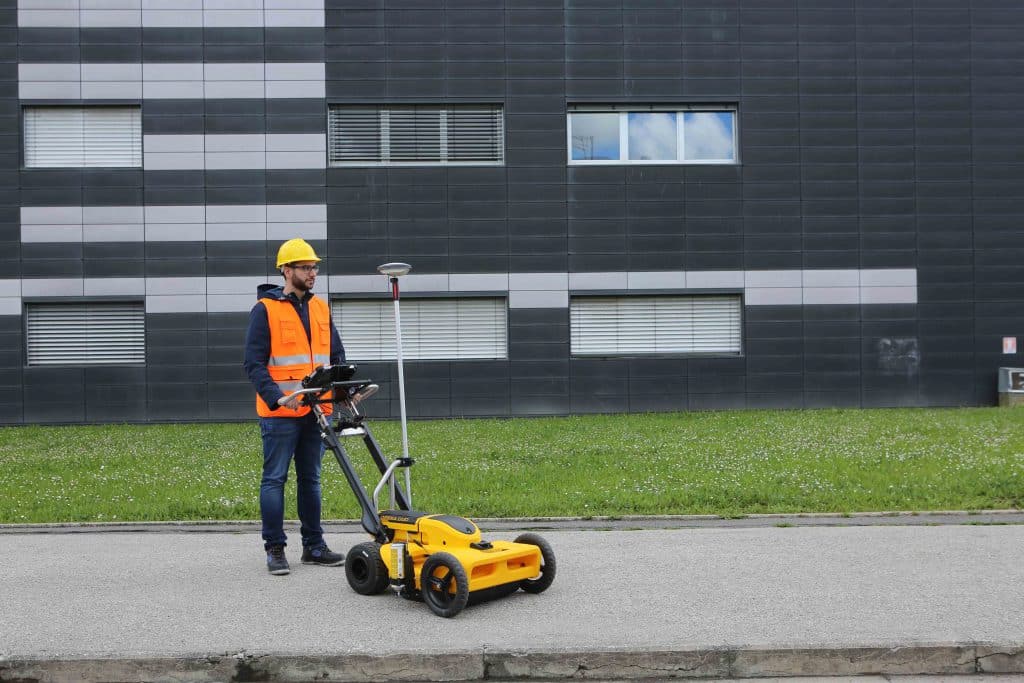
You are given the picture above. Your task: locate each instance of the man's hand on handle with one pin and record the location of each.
(291, 401)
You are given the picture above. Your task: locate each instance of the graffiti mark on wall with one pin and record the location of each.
(898, 355)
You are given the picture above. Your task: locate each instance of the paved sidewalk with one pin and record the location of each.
(666, 603)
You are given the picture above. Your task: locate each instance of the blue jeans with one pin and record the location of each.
(283, 439)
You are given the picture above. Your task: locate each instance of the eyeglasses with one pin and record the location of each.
(307, 269)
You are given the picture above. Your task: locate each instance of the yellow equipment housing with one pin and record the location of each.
(488, 565)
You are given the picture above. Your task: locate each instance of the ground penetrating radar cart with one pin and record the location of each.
(441, 559)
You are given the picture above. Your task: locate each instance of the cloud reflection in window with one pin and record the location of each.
(652, 136)
(708, 136)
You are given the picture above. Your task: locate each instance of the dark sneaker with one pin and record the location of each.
(277, 563)
(323, 556)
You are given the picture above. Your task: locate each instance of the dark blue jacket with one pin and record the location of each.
(257, 341)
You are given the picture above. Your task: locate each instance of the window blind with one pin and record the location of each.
(655, 325)
(432, 329)
(83, 136)
(416, 135)
(85, 333)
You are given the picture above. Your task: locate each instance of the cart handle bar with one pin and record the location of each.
(388, 477)
(365, 391)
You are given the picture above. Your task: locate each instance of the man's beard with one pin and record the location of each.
(299, 283)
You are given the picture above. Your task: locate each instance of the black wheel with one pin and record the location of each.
(443, 585)
(542, 581)
(365, 569)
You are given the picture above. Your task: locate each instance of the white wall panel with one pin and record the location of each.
(184, 294)
(175, 232)
(110, 18)
(888, 295)
(477, 282)
(170, 13)
(169, 18)
(111, 90)
(773, 278)
(598, 280)
(234, 285)
(831, 278)
(657, 280)
(69, 286)
(182, 303)
(293, 17)
(165, 17)
(175, 214)
(888, 277)
(233, 222)
(538, 298)
(172, 285)
(714, 279)
(184, 80)
(297, 212)
(50, 90)
(773, 296)
(540, 281)
(114, 286)
(51, 214)
(49, 72)
(236, 213)
(306, 230)
(230, 303)
(831, 296)
(235, 232)
(42, 233)
(359, 284)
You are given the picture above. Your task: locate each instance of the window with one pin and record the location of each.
(416, 135)
(654, 135)
(432, 329)
(664, 324)
(57, 137)
(85, 333)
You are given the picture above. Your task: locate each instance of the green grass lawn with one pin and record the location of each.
(722, 463)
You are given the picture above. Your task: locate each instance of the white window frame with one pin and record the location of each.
(85, 333)
(605, 325)
(384, 116)
(428, 330)
(85, 150)
(623, 112)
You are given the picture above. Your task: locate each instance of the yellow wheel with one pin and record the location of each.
(444, 585)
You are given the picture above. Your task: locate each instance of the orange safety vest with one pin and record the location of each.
(292, 354)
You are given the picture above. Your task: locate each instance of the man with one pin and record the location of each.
(290, 333)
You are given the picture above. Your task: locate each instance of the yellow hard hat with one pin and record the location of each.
(295, 250)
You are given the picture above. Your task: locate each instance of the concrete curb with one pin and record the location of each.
(901, 517)
(496, 664)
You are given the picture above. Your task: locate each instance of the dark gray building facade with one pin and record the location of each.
(549, 169)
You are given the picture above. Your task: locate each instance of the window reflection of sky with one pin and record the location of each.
(595, 136)
(708, 135)
(652, 136)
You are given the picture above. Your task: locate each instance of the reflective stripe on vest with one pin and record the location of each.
(288, 386)
(293, 355)
(318, 359)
